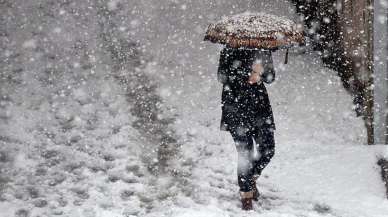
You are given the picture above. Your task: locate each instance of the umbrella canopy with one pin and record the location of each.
(255, 30)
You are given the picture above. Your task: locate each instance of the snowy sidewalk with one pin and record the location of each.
(321, 166)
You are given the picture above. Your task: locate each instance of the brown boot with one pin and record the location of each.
(256, 193)
(246, 200)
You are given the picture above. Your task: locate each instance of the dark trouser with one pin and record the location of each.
(250, 165)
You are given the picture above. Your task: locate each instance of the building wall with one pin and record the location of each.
(380, 72)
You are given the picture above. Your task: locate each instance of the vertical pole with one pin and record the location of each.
(368, 67)
(380, 54)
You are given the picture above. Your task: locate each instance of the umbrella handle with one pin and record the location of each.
(286, 58)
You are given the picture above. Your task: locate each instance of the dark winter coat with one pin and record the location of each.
(245, 106)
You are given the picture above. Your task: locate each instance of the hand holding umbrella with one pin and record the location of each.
(257, 70)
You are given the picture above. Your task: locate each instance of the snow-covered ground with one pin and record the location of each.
(321, 166)
(70, 141)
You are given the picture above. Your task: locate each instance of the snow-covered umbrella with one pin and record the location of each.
(255, 30)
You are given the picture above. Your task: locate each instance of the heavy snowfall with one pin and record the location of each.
(111, 108)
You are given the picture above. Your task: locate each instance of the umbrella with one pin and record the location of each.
(255, 30)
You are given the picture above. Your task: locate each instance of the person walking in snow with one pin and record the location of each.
(247, 113)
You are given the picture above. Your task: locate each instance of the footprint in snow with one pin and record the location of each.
(56, 179)
(40, 203)
(108, 157)
(81, 193)
(22, 213)
(126, 194)
(322, 208)
(113, 178)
